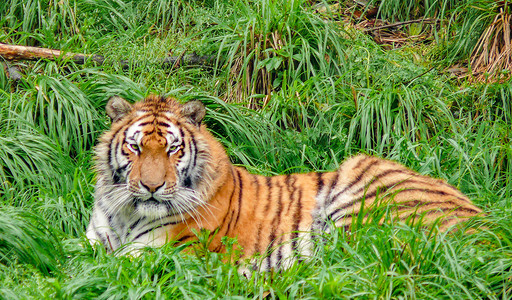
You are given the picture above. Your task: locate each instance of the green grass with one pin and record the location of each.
(324, 92)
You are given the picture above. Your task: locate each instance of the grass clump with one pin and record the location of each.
(265, 45)
(27, 238)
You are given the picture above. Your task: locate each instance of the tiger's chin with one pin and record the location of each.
(151, 208)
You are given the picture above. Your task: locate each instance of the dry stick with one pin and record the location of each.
(401, 23)
(418, 76)
(15, 52)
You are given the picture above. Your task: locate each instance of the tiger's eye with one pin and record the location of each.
(134, 147)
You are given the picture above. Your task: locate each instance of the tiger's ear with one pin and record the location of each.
(117, 108)
(194, 112)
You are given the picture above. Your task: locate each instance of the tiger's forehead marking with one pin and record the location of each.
(162, 126)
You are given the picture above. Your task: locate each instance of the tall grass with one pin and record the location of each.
(399, 10)
(27, 238)
(264, 45)
(52, 24)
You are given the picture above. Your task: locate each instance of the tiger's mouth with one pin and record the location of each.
(148, 202)
(172, 205)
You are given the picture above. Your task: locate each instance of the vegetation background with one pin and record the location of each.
(290, 86)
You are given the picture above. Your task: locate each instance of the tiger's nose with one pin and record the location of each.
(152, 187)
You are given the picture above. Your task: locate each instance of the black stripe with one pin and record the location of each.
(374, 179)
(163, 124)
(361, 161)
(166, 122)
(151, 132)
(153, 228)
(319, 182)
(359, 177)
(113, 149)
(122, 168)
(334, 183)
(118, 174)
(132, 226)
(123, 152)
(366, 196)
(269, 256)
(385, 189)
(103, 239)
(256, 246)
(257, 184)
(224, 223)
(277, 218)
(184, 238)
(109, 156)
(296, 225)
(101, 206)
(239, 197)
(388, 172)
(279, 204)
(116, 178)
(453, 207)
(457, 191)
(146, 123)
(290, 185)
(268, 182)
(321, 223)
(280, 252)
(193, 151)
(187, 182)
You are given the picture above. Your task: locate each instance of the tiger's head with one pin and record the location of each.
(156, 161)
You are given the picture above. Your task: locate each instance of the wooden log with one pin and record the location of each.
(15, 52)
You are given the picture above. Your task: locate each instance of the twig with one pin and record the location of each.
(418, 76)
(362, 3)
(401, 23)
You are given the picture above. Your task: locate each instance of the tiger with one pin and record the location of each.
(162, 177)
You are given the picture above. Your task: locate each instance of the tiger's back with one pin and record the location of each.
(162, 175)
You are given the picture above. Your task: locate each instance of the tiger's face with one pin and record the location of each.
(156, 156)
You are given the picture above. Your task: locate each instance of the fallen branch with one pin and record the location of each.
(401, 24)
(15, 52)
